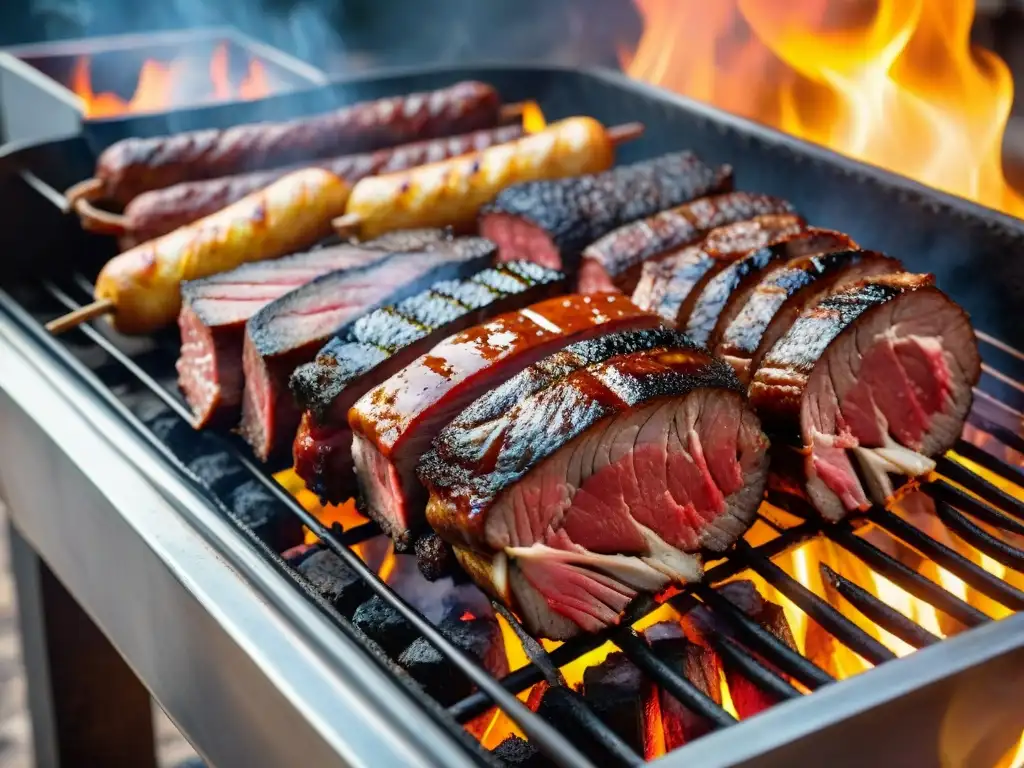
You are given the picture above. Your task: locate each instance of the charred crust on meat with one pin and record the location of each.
(630, 367)
(575, 212)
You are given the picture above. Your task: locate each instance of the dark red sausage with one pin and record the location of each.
(134, 166)
(160, 211)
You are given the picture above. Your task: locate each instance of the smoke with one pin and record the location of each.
(344, 35)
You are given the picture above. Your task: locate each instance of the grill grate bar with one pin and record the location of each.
(764, 678)
(757, 643)
(994, 495)
(848, 633)
(999, 431)
(613, 748)
(764, 642)
(971, 573)
(881, 614)
(546, 737)
(682, 689)
(785, 658)
(979, 538)
(906, 578)
(940, 490)
(983, 458)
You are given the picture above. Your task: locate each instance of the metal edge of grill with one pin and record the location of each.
(637, 653)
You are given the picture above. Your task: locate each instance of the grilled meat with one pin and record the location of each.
(291, 214)
(879, 373)
(451, 192)
(670, 286)
(727, 292)
(133, 166)
(376, 347)
(551, 222)
(288, 331)
(215, 310)
(596, 474)
(613, 262)
(395, 422)
(160, 211)
(779, 298)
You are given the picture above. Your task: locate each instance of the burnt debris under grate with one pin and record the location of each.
(605, 719)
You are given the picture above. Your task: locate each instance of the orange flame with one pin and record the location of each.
(160, 84)
(895, 83)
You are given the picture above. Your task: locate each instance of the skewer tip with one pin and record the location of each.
(513, 111)
(618, 134)
(345, 226)
(81, 315)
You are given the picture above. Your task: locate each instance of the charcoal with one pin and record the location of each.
(748, 698)
(266, 516)
(338, 584)
(383, 624)
(479, 637)
(744, 595)
(435, 557)
(297, 555)
(698, 664)
(220, 472)
(613, 690)
(518, 752)
(556, 705)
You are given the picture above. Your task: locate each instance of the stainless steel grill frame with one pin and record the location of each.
(309, 707)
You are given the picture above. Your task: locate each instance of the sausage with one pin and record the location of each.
(133, 166)
(451, 192)
(158, 212)
(293, 213)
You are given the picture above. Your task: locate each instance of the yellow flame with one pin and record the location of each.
(900, 87)
(533, 118)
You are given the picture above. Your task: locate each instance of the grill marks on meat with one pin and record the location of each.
(378, 345)
(596, 474)
(215, 310)
(727, 291)
(288, 331)
(879, 374)
(612, 263)
(395, 422)
(670, 286)
(778, 299)
(136, 165)
(160, 211)
(551, 222)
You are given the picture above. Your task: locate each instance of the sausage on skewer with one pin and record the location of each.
(133, 166)
(451, 192)
(160, 211)
(141, 288)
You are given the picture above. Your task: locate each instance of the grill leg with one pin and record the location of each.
(87, 706)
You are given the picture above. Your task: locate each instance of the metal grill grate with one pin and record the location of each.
(962, 500)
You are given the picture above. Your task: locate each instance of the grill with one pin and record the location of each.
(970, 250)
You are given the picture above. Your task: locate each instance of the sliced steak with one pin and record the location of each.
(879, 373)
(776, 302)
(613, 263)
(380, 344)
(395, 422)
(670, 286)
(727, 292)
(215, 310)
(551, 222)
(597, 473)
(288, 331)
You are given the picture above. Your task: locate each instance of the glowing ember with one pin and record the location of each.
(895, 83)
(161, 86)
